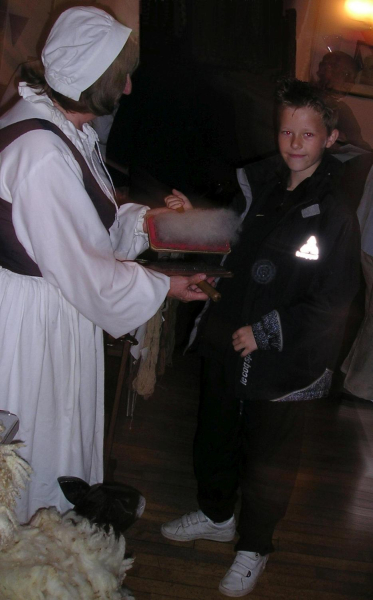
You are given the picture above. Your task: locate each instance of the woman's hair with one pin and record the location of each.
(294, 93)
(102, 96)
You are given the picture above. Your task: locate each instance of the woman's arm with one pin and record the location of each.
(61, 231)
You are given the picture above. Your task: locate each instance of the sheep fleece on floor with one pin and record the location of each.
(62, 557)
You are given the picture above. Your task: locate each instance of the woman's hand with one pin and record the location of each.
(243, 339)
(186, 289)
(177, 201)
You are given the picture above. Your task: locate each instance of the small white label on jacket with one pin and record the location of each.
(311, 211)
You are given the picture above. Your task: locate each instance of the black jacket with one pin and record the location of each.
(299, 284)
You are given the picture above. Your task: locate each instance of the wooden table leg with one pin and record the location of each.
(108, 470)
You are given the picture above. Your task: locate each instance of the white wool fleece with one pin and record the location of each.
(63, 557)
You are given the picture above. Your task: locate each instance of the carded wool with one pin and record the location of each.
(207, 226)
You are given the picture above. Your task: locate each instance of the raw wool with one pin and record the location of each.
(54, 556)
(63, 557)
(208, 226)
(144, 382)
(14, 474)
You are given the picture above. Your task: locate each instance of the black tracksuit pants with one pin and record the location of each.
(254, 445)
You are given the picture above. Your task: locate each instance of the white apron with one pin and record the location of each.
(52, 378)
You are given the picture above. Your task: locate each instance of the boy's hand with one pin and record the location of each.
(186, 289)
(243, 339)
(177, 201)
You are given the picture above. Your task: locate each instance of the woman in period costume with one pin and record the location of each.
(61, 234)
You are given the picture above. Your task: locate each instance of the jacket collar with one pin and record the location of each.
(329, 167)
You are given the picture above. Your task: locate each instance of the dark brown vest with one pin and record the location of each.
(13, 256)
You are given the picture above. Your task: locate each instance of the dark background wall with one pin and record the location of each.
(202, 96)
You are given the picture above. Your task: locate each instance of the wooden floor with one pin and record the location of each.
(325, 543)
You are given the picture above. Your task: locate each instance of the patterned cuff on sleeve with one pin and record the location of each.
(267, 332)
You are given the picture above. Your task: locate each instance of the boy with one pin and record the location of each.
(271, 343)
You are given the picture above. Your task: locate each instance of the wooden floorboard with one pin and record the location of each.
(324, 546)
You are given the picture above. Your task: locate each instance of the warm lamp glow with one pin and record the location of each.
(362, 10)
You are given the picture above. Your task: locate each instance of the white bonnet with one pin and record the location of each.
(82, 44)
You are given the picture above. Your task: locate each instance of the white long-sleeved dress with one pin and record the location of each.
(51, 351)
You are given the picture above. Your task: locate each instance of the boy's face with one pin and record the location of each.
(302, 139)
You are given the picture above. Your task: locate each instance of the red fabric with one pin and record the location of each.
(158, 244)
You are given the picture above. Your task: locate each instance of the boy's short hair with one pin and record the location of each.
(294, 93)
(103, 95)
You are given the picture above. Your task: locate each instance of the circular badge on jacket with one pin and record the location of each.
(263, 271)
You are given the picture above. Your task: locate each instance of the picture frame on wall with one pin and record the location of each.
(343, 65)
(363, 85)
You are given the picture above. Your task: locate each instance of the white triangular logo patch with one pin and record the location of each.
(309, 250)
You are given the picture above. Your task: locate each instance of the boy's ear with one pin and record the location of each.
(332, 138)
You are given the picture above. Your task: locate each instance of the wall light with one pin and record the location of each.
(360, 10)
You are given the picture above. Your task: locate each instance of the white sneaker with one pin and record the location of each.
(243, 575)
(196, 526)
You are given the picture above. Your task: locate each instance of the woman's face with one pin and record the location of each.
(128, 87)
(126, 90)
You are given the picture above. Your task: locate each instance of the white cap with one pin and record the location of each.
(82, 44)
